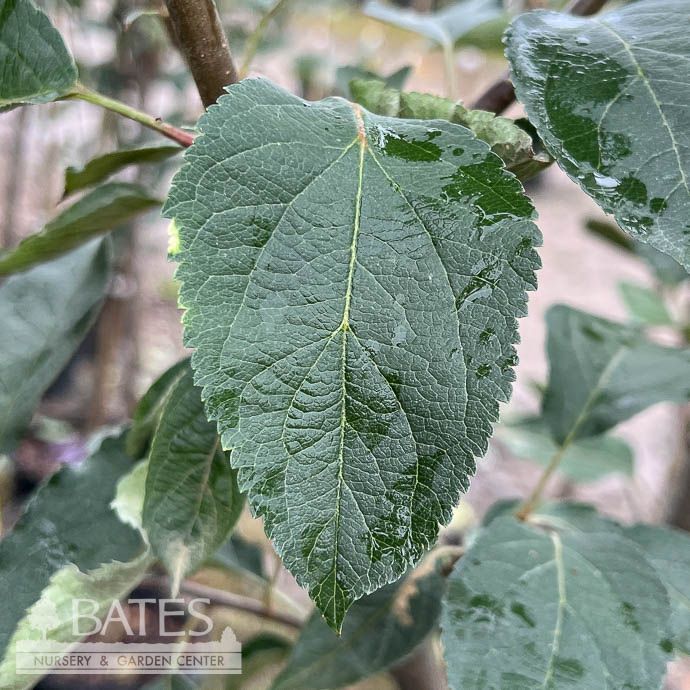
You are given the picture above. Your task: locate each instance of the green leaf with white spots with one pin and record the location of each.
(610, 97)
(35, 65)
(192, 501)
(352, 284)
(533, 607)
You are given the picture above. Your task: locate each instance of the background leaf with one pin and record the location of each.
(669, 552)
(45, 314)
(379, 630)
(62, 545)
(100, 211)
(530, 608)
(192, 500)
(445, 26)
(353, 348)
(585, 460)
(601, 373)
(35, 65)
(102, 167)
(610, 97)
(645, 306)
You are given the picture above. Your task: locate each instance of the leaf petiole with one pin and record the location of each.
(81, 92)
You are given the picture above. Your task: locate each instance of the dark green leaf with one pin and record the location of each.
(669, 552)
(512, 143)
(68, 525)
(585, 460)
(351, 285)
(645, 306)
(610, 96)
(45, 314)
(602, 373)
(533, 608)
(192, 500)
(238, 554)
(148, 410)
(102, 167)
(35, 65)
(443, 27)
(98, 212)
(379, 630)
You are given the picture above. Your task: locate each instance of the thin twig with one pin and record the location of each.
(530, 503)
(219, 597)
(500, 95)
(254, 39)
(198, 33)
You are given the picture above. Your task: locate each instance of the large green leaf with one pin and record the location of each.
(45, 314)
(98, 212)
(529, 607)
(512, 143)
(602, 373)
(669, 552)
(443, 27)
(351, 284)
(585, 460)
(610, 97)
(35, 65)
(192, 500)
(379, 630)
(69, 541)
(102, 167)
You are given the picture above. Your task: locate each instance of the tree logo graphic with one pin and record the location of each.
(44, 617)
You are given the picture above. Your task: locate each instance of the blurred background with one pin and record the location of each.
(312, 49)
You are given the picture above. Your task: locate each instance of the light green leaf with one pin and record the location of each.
(102, 167)
(669, 552)
(602, 373)
(100, 211)
(68, 541)
(192, 500)
(443, 27)
(512, 143)
(379, 630)
(534, 608)
(148, 410)
(45, 314)
(610, 96)
(351, 284)
(35, 65)
(585, 460)
(348, 73)
(645, 306)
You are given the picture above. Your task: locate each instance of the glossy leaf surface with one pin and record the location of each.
(553, 609)
(610, 97)
(351, 284)
(35, 65)
(601, 373)
(100, 211)
(192, 500)
(45, 313)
